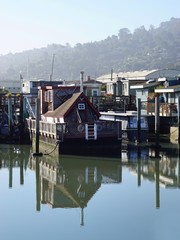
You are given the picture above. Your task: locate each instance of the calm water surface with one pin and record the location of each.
(135, 197)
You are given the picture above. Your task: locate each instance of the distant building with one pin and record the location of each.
(11, 86)
(129, 79)
(31, 86)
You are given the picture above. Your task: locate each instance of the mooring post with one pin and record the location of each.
(10, 115)
(178, 167)
(21, 121)
(139, 120)
(178, 106)
(157, 124)
(37, 124)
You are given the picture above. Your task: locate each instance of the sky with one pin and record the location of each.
(29, 24)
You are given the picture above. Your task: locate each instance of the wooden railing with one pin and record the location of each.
(165, 109)
(60, 131)
(53, 130)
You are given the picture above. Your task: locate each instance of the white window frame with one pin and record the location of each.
(81, 106)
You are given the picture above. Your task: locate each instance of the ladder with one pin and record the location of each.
(91, 175)
(91, 131)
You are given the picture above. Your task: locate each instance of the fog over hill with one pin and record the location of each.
(143, 49)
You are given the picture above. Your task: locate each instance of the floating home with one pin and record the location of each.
(129, 124)
(75, 124)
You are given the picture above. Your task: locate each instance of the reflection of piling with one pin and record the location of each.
(21, 172)
(139, 165)
(120, 173)
(82, 217)
(38, 197)
(10, 172)
(157, 184)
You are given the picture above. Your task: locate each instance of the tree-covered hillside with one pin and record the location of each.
(143, 49)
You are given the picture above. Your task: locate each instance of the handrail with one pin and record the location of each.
(29, 108)
(51, 129)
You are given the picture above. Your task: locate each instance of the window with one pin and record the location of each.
(94, 92)
(81, 106)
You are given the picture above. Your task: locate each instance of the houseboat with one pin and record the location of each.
(129, 124)
(76, 124)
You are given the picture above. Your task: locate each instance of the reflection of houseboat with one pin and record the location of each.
(129, 124)
(72, 182)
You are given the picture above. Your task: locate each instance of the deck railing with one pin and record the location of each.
(53, 130)
(165, 109)
(60, 131)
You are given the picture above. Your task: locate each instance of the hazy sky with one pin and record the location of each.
(28, 24)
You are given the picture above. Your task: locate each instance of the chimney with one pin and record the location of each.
(81, 81)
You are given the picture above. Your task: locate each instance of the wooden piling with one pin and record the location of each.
(139, 120)
(37, 153)
(157, 124)
(10, 116)
(21, 120)
(178, 110)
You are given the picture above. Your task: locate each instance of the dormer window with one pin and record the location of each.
(81, 106)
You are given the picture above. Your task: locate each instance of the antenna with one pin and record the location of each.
(28, 68)
(52, 68)
(111, 74)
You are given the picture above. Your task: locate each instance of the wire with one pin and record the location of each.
(57, 142)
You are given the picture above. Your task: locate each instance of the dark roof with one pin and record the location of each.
(64, 108)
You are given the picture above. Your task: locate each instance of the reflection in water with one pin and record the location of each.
(72, 181)
(14, 157)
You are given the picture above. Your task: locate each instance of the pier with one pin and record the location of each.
(12, 117)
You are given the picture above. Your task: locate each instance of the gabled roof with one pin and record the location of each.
(65, 108)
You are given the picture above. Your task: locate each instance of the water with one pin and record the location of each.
(137, 197)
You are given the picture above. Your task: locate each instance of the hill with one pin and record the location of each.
(143, 49)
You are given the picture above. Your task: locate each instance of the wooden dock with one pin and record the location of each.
(12, 117)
